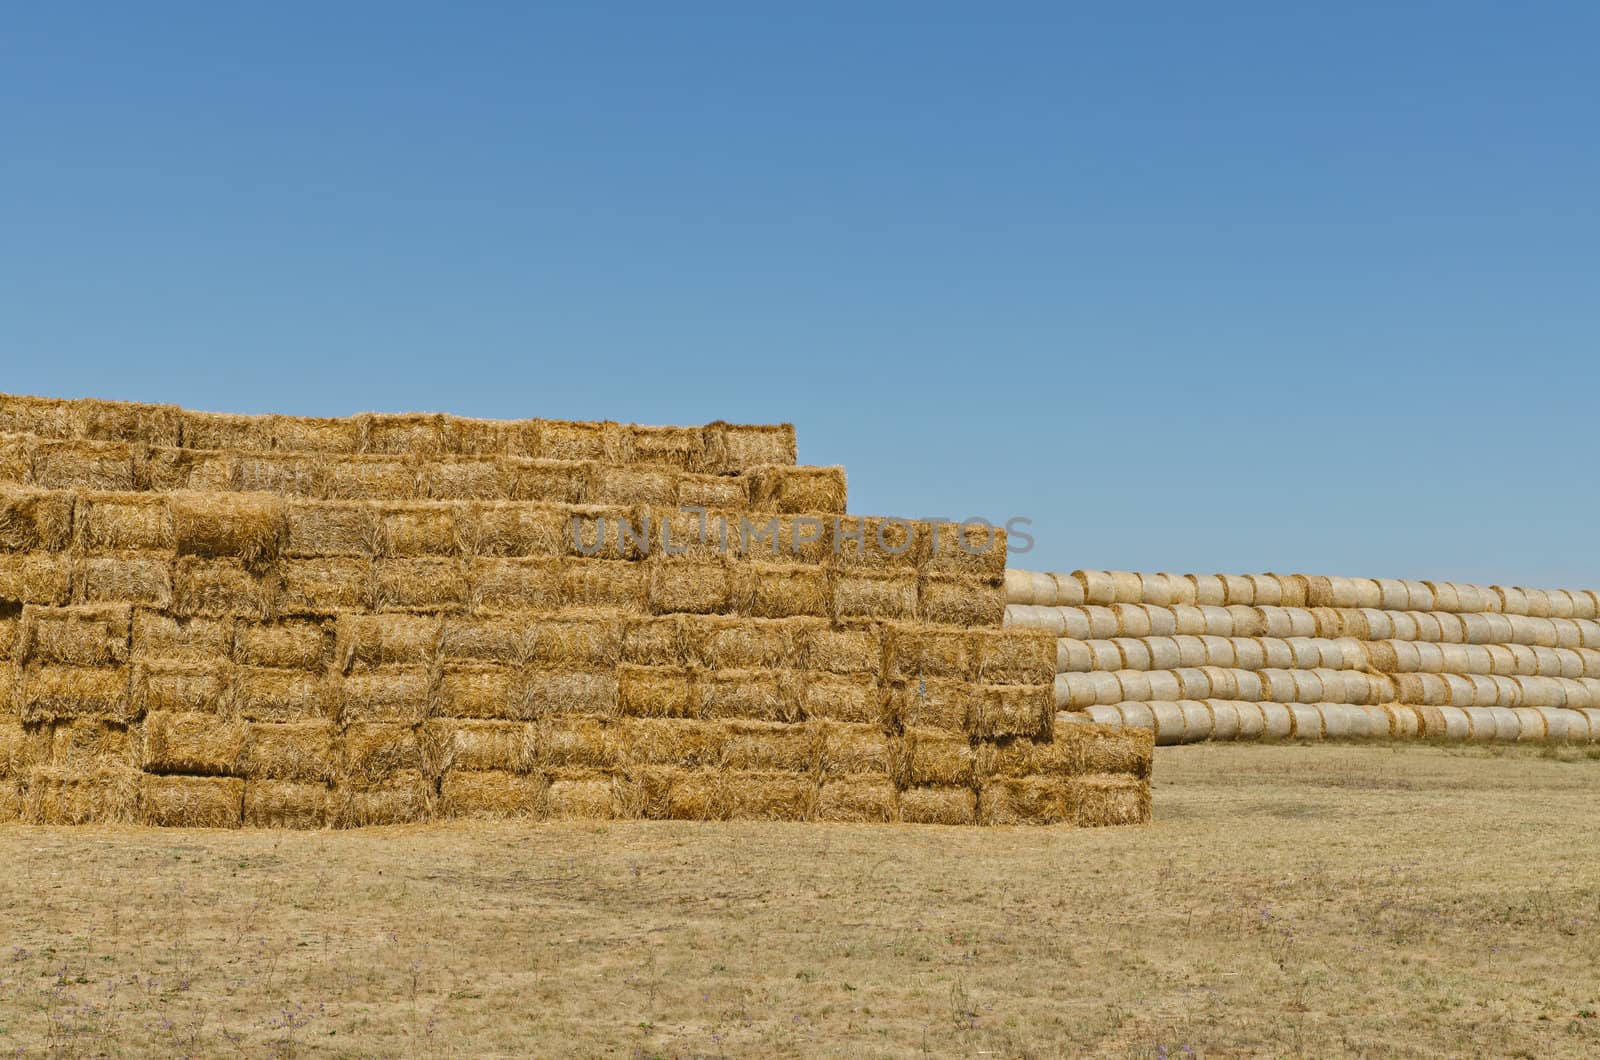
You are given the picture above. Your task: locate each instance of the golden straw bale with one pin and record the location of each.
(633, 485)
(665, 640)
(757, 695)
(928, 651)
(220, 588)
(332, 528)
(656, 692)
(98, 635)
(223, 430)
(371, 753)
(854, 750)
(286, 474)
(123, 578)
(289, 644)
(90, 743)
(363, 641)
(1025, 800)
(851, 650)
(285, 804)
(429, 585)
(493, 745)
(877, 543)
(681, 585)
(938, 805)
(23, 746)
(765, 746)
(205, 744)
(670, 741)
(162, 636)
(621, 584)
(580, 743)
(418, 529)
(295, 750)
(687, 794)
(570, 692)
(683, 448)
(13, 799)
(891, 594)
(183, 685)
(1013, 656)
(405, 797)
(569, 641)
(551, 482)
(46, 417)
(37, 520)
(35, 578)
(408, 433)
(246, 526)
(470, 478)
(606, 441)
(50, 693)
(514, 530)
(932, 756)
(729, 643)
(73, 795)
(401, 694)
(192, 802)
(1100, 800)
(475, 690)
(856, 799)
(1013, 710)
(725, 492)
(16, 459)
(265, 694)
(795, 490)
(126, 421)
(731, 448)
(770, 796)
(309, 434)
(505, 586)
(81, 465)
(847, 698)
(493, 794)
(778, 590)
(586, 796)
(933, 703)
(968, 550)
(477, 437)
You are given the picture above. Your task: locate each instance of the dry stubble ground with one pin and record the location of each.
(1288, 901)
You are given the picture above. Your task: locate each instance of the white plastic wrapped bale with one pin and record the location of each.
(1336, 723)
(1482, 726)
(1137, 715)
(1404, 722)
(1169, 722)
(1225, 719)
(1198, 724)
(1104, 714)
(1307, 721)
(1531, 724)
(1277, 723)
(1077, 691)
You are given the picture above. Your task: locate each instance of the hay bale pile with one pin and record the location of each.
(1265, 656)
(275, 621)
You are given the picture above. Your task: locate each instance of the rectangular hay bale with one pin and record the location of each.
(200, 744)
(285, 804)
(961, 600)
(52, 693)
(325, 586)
(1026, 800)
(493, 794)
(1099, 800)
(303, 751)
(71, 795)
(220, 588)
(938, 805)
(192, 802)
(859, 799)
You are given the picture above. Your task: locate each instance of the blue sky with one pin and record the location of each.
(1227, 287)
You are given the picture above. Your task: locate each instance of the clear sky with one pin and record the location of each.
(1196, 287)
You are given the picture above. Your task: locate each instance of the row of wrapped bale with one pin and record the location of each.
(1193, 721)
(1105, 621)
(391, 718)
(77, 464)
(1294, 590)
(266, 555)
(717, 448)
(1385, 656)
(1304, 645)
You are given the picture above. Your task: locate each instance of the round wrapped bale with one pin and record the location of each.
(1134, 653)
(1161, 653)
(1188, 620)
(1164, 685)
(1219, 651)
(1105, 714)
(1169, 722)
(1307, 721)
(1074, 656)
(1136, 715)
(1068, 590)
(1336, 722)
(1098, 586)
(1198, 724)
(1224, 719)
(1209, 589)
(1276, 721)
(1251, 722)
(1404, 722)
(1483, 727)
(1532, 727)
(1191, 651)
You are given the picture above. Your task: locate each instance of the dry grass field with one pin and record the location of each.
(1287, 901)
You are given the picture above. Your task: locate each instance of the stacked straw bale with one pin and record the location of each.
(215, 620)
(1267, 656)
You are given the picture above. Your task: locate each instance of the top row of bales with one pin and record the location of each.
(1105, 587)
(716, 448)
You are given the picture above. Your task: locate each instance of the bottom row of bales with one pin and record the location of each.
(89, 771)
